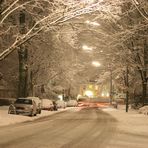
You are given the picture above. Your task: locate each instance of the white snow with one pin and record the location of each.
(131, 122)
(109, 109)
(7, 119)
(144, 110)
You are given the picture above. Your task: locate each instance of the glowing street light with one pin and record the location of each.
(87, 22)
(88, 1)
(86, 48)
(95, 24)
(96, 63)
(60, 97)
(92, 23)
(89, 93)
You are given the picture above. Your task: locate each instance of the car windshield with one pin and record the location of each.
(23, 101)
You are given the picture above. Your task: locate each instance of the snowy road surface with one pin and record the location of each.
(7, 119)
(86, 128)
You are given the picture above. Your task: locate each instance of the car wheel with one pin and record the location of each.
(32, 114)
(36, 112)
(40, 111)
(10, 111)
(51, 109)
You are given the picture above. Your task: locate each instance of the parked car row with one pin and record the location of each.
(47, 104)
(33, 105)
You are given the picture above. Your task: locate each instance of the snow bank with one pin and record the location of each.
(7, 119)
(143, 110)
(129, 122)
(109, 109)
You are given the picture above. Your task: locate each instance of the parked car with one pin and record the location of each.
(72, 103)
(38, 103)
(61, 104)
(24, 106)
(47, 104)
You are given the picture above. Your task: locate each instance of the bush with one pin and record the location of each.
(143, 110)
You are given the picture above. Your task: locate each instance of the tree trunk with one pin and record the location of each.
(144, 82)
(23, 54)
(144, 92)
(127, 87)
(23, 71)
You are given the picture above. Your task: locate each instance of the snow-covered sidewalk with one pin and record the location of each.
(7, 119)
(131, 122)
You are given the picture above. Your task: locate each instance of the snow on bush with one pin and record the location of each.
(144, 110)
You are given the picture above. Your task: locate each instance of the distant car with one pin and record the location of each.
(83, 104)
(115, 104)
(61, 104)
(47, 104)
(83, 101)
(72, 103)
(38, 103)
(82, 98)
(24, 106)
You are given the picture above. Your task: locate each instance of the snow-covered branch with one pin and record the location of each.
(49, 21)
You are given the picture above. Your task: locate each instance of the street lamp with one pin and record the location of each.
(111, 83)
(89, 93)
(86, 48)
(88, 1)
(92, 23)
(96, 63)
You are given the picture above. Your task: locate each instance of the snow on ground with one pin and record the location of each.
(143, 110)
(131, 122)
(7, 119)
(109, 109)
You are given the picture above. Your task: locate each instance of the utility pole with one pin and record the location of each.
(23, 56)
(127, 86)
(63, 94)
(111, 86)
(144, 83)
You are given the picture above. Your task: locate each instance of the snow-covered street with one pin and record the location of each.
(76, 128)
(131, 122)
(7, 119)
(128, 122)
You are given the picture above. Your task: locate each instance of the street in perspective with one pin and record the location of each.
(77, 127)
(73, 74)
